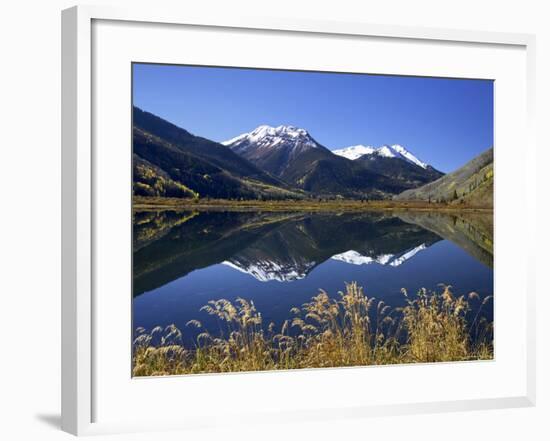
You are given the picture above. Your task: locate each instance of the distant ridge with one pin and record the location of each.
(385, 151)
(293, 155)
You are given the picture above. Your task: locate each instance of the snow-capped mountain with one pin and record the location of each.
(267, 137)
(394, 162)
(268, 133)
(293, 155)
(385, 151)
(354, 258)
(276, 149)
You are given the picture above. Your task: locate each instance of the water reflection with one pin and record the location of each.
(286, 247)
(280, 260)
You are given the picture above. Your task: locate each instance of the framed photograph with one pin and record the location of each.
(312, 220)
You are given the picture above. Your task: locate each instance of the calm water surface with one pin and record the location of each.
(280, 260)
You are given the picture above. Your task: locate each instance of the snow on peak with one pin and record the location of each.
(355, 151)
(266, 135)
(387, 151)
(283, 130)
(408, 155)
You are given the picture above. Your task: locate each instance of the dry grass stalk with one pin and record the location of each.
(325, 332)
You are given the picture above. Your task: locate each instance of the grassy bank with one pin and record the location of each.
(351, 331)
(308, 205)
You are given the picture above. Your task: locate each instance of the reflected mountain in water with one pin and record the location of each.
(354, 258)
(268, 270)
(287, 246)
(297, 246)
(295, 269)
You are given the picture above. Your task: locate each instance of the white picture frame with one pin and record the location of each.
(79, 202)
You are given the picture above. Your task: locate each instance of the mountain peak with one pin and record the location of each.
(355, 151)
(408, 155)
(267, 134)
(387, 151)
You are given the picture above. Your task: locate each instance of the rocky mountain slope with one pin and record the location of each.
(471, 184)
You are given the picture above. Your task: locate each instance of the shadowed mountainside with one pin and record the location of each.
(407, 174)
(171, 162)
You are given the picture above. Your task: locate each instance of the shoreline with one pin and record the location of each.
(173, 204)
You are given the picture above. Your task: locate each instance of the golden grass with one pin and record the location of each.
(308, 205)
(350, 331)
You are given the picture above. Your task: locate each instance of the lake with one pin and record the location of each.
(181, 260)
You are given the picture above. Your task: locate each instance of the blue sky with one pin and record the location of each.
(444, 122)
